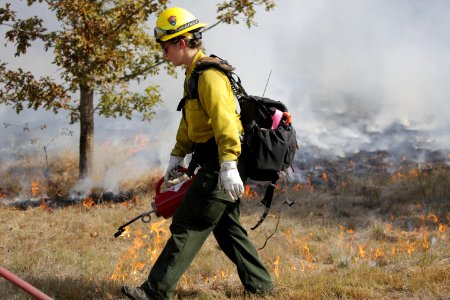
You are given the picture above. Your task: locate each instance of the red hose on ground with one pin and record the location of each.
(23, 285)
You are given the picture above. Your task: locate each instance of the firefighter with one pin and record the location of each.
(210, 129)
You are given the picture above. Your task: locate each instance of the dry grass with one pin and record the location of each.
(371, 238)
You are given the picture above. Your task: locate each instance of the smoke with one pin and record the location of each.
(349, 68)
(356, 75)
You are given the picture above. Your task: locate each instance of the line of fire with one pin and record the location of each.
(397, 237)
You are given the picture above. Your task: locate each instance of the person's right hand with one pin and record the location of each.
(175, 162)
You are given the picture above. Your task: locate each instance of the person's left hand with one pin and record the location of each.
(230, 180)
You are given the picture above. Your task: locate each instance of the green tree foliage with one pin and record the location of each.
(101, 46)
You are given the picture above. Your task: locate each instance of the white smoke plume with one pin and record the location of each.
(356, 75)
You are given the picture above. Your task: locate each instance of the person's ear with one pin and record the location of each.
(183, 43)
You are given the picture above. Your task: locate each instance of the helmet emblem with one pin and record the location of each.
(172, 20)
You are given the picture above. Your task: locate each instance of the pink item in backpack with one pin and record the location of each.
(276, 118)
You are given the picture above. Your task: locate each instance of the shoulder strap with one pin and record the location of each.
(208, 62)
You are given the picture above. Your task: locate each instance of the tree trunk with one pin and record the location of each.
(86, 131)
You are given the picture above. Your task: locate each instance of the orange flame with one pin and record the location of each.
(43, 204)
(126, 233)
(307, 253)
(362, 252)
(248, 192)
(143, 251)
(88, 202)
(379, 253)
(425, 244)
(414, 172)
(399, 175)
(278, 187)
(34, 188)
(140, 141)
(297, 187)
(276, 264)
(442, 228)
(433, 218)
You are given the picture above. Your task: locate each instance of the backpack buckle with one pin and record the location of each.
(287, 118)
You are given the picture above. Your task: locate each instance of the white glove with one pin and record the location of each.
(175, 162)
(230, 180)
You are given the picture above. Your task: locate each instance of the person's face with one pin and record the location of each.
(171, 51)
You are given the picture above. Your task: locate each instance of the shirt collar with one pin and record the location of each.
(197, 56)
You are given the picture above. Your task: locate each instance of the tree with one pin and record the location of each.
(101, 46)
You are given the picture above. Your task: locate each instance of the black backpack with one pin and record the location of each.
(266, 150)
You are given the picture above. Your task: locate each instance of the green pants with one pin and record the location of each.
(206, 209)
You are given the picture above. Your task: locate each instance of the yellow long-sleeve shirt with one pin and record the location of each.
(214, 114)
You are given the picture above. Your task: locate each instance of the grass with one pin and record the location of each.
(370, 238)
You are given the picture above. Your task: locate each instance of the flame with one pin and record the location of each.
(140, 141)
(343, 229)
(307, 253)
(297, 187)
(279, 188)
(88, 202)
(276, 263)
(433, 218)
(362, 252)
(135, 201)
(146, 244)
(143, 251)
(43, 204)
(126, 233)
(414, 172)
(303, 267)
(398, 175)
(425, 244)
(138, 266)
(393, 250)
(248, 192)
(379, 253)
(34, 188)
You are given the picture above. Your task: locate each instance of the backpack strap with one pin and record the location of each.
(267, 201)
(205, 63)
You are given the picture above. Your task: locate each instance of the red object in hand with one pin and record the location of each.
(165, 203)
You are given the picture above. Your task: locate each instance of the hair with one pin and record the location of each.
(193, 38)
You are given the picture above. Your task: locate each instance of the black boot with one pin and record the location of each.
(135, 293)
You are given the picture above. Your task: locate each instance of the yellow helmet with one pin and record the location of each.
(174, 22)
